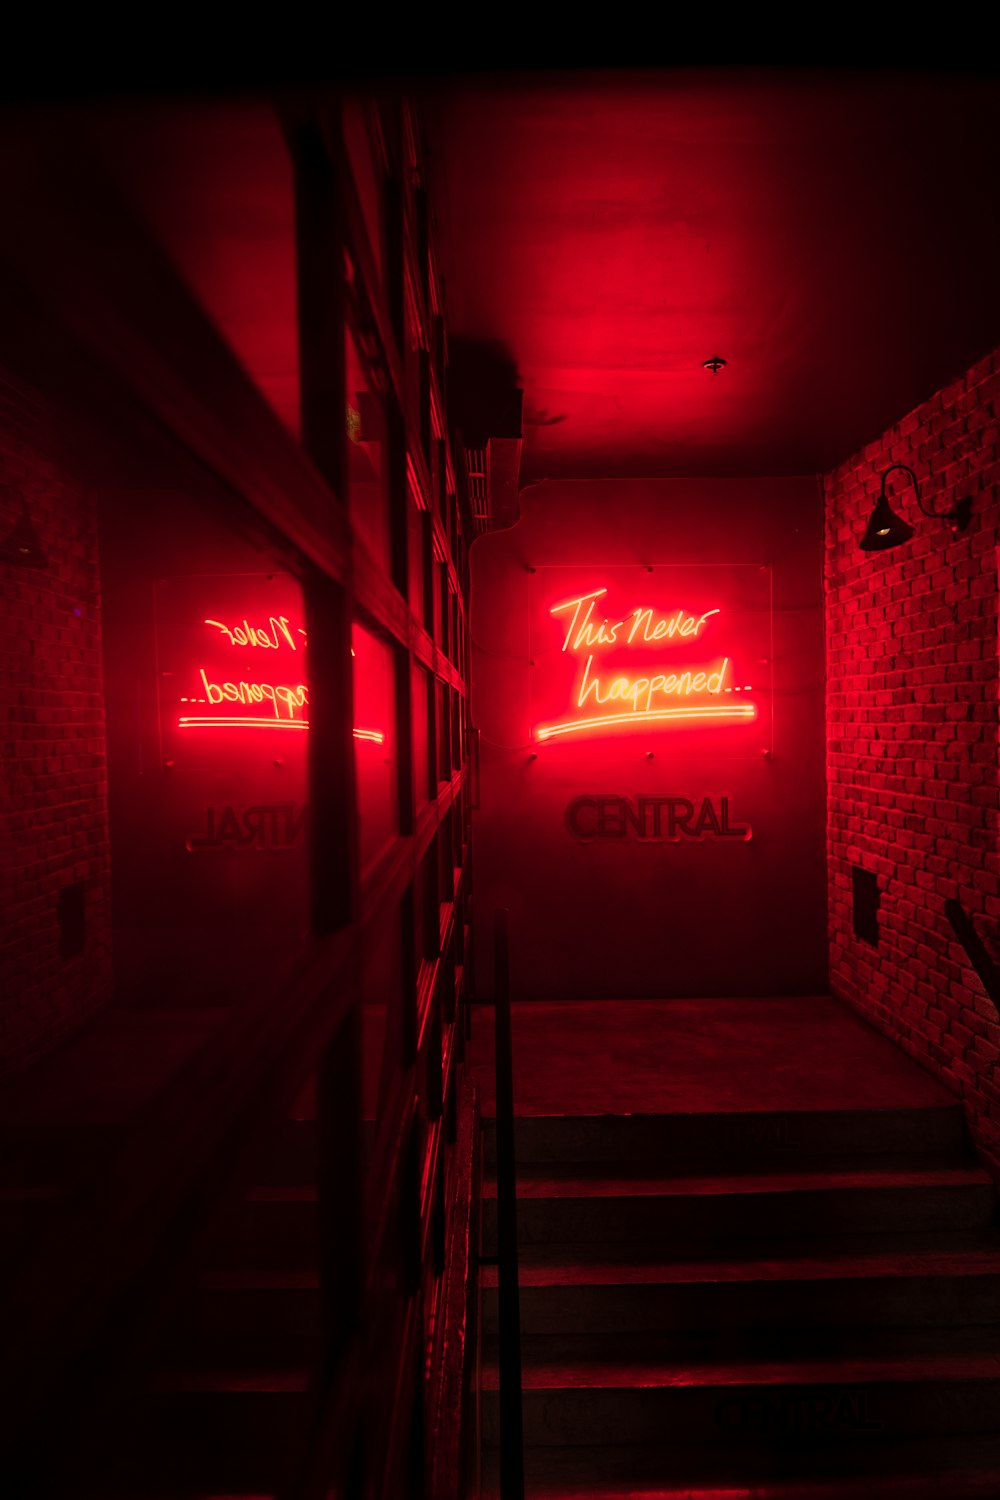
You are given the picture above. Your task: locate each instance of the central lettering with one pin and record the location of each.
(273, 825)
(652, 819)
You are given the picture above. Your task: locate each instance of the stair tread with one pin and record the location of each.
(935, 1469)
(616, 1264)
(548, 1182)
(763, 1341)
(260, 1279)
(230, 1380)
(280, 1192)
(856, 1369)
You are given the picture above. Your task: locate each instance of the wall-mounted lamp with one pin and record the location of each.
(885, 529)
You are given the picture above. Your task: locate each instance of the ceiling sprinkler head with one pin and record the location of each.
(714, 365)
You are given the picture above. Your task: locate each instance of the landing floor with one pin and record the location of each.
(689, 1056)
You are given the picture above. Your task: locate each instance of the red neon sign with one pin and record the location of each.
(681, 657)
(247, 666)
(272, 705)
(615, 673)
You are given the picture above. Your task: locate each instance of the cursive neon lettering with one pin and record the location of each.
(667, 626)
(284, 698)
(575, 606)
(267, 637)
(647, 697)
(583, 634)
(282, 706)
(641, 691)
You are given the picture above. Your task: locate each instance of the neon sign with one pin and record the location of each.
(272, 705)
(231, 669)
(658, 695)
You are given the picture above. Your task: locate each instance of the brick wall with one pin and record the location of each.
(912, 738)
(53, 974)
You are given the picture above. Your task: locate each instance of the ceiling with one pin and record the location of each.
(835, 236)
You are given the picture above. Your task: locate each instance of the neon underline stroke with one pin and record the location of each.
(210, 721)
(223, 721)
(648, 716)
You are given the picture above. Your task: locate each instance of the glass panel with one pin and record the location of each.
(382, 1042)
(366, 172)
(444, 597)
(413, 369)
(430, 576)
(420, 747)
(441, 708)
(366, 467)
(415, 529)
(207, 712)
(375, 747)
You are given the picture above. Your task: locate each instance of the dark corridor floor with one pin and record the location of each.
(689, 1056)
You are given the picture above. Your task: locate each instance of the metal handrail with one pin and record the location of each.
(976, 951)
(511, 1416)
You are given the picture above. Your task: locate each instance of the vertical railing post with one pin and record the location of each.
(511, 1419)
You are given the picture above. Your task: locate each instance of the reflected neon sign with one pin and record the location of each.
(271, 705)
(660, 696)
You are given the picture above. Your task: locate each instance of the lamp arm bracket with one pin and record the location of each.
(905, 469)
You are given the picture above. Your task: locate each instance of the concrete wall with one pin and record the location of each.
(600, 906)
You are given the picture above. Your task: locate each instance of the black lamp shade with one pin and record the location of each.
(22, 547)
(885, 529)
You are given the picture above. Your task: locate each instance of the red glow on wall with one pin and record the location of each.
(647, 666)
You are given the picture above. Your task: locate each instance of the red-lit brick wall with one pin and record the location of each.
(54, 761)
(912, 738)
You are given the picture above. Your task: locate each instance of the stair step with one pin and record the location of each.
(636, 1208)
(226, 1432)
(626, 1138)
(290, 1154)
(964, 1468)
(830, 1341)
(595, 1288)
(246, 1316)
(49, 1154)
(276, 1226)
(774, 1403)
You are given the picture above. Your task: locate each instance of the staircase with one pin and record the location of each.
(801, 1304)
(223, 1406)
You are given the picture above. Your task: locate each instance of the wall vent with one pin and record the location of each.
(865, 900)
(72, 914)
(477, 472)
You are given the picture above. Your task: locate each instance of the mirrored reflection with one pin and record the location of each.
(365, 465)
(374, 743)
